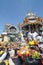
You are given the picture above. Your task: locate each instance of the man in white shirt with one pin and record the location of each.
(39, 38)
(3, 57)
(29, 36)
(42, 34)
(34, 35)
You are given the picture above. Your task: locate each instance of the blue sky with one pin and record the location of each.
(14, 11)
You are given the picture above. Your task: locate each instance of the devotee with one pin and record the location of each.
(3, 55)
(22, 39)
(42, 34)
(11, 62)
(39, 38)
(34, 35)
(29, 35)
(11, 52)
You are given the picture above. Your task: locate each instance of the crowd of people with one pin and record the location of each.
(35, 36)
(8, 51)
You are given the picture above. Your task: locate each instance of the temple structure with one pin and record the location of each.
(9, 33)
(31, 23)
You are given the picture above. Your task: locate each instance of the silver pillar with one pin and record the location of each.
(36, 28)
(29, 28)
